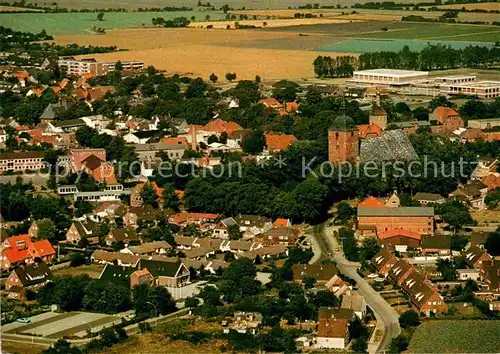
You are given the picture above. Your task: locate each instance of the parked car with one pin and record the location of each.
(23, 320)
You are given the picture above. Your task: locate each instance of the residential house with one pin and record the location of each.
(490, 277)
(322, 273)
(383, 261)
(169, 274)
(333, 328)
(83, 229)
(355, 302)
(438, 244)
(22, 250)
(152, 150)
(149, 248)
(185, 218)
(115, 258)
(253, 225)
(279, 142)
(219, 126)
(122, 234)
(382, 219)
(221, 230)
(466, 274)
(429, 198)
(281, 222)
(399, 271)
(472, 194)
(478, 239)
(245, 322)
(118, 275)
(448, 118)
(475, 257)
(134, 215)
(338, 286)
(281, 235)
(140, 277)
(142, 137)
(426, 299)
(29, 276)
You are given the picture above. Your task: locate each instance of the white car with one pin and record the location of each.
(372, 276)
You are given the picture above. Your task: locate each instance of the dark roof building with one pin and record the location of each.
(391, 145)
(28, 276)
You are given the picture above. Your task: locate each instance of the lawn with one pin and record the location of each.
(74, 23)
(93, 271)
(443, 336)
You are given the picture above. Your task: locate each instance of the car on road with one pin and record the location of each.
(372, 275)
(23, 320)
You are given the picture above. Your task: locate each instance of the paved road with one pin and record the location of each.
(383, 311)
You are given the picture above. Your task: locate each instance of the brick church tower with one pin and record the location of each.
(343, 140)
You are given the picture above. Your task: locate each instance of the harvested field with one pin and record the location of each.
(201, 52)
(17, 9)
(287, 13)
(269, 23)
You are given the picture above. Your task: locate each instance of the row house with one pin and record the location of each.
(490, 284)
(322, 273)
(471, 195)
(333, 328)
(185, 218)
(476, 256)
(86, 229)
(149, 248)
(383, 261)
(423, 297)
(18, 250)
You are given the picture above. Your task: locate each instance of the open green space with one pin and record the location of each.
(442, 336)
(76, 23)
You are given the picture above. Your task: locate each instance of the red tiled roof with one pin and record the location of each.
(81, 93)
(399, 232)
(88, 76)
(371, 202)
(472, 134)
(491, 181)
(271, 103)
(332, 327)
(63, 83)
(22, 128)
(291, 107)
(182, 217)
(14, 255)
(281, 222)
(220, 126)
(179, 193)
(176, 140)
(279, 142)
(43, 248)
(441, 113)
(21, 75)
(14, 241)
(366, 129)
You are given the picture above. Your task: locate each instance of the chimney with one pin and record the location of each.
(193, 137)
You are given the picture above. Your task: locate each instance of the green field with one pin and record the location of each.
(75, 23)
(434, 31)
(390, 45)
(456, 337)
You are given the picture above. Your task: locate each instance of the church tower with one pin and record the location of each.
(378, 115)
(343, 139)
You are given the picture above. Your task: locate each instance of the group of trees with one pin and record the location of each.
(82, 293)
(432, 57)
(173, 23)
(341, 66)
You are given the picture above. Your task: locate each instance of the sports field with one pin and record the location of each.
(475, 336)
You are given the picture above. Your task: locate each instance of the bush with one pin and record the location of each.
(409, 319)
(399, 344)
(77, 259)
(144, 327)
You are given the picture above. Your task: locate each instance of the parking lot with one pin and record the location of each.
(56, 325)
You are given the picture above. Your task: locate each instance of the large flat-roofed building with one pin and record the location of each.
(84, 66)
(382, 219)
(483, 123)
(455, 79)
(388, 77)
(481, 89)
(21, 161)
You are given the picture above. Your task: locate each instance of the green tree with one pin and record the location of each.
(210, 295)
(409, 319)
(47, 230)
(191, 302)
(369, 249)
(234, 232)
(254, 143)
(100, 16)
(325, 298)
(344, 211)
(148, 195)
(231, 77)
(308, 282)
(492, 200)
(170, 198)
(399, 344)
(106, 297)
(492, 243)
(62, 346)
(360, 345)
(213, 78)
(76, 259)
(118, 66)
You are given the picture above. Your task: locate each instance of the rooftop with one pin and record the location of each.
(392, 72)
(401, 211)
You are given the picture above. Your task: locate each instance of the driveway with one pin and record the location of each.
(384, 313)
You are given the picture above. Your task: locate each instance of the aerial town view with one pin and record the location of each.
(261, 176)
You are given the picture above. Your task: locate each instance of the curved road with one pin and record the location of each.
(384, 313)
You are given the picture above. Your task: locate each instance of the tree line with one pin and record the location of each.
(341, 66)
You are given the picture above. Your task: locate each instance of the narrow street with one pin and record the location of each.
(384, 313)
